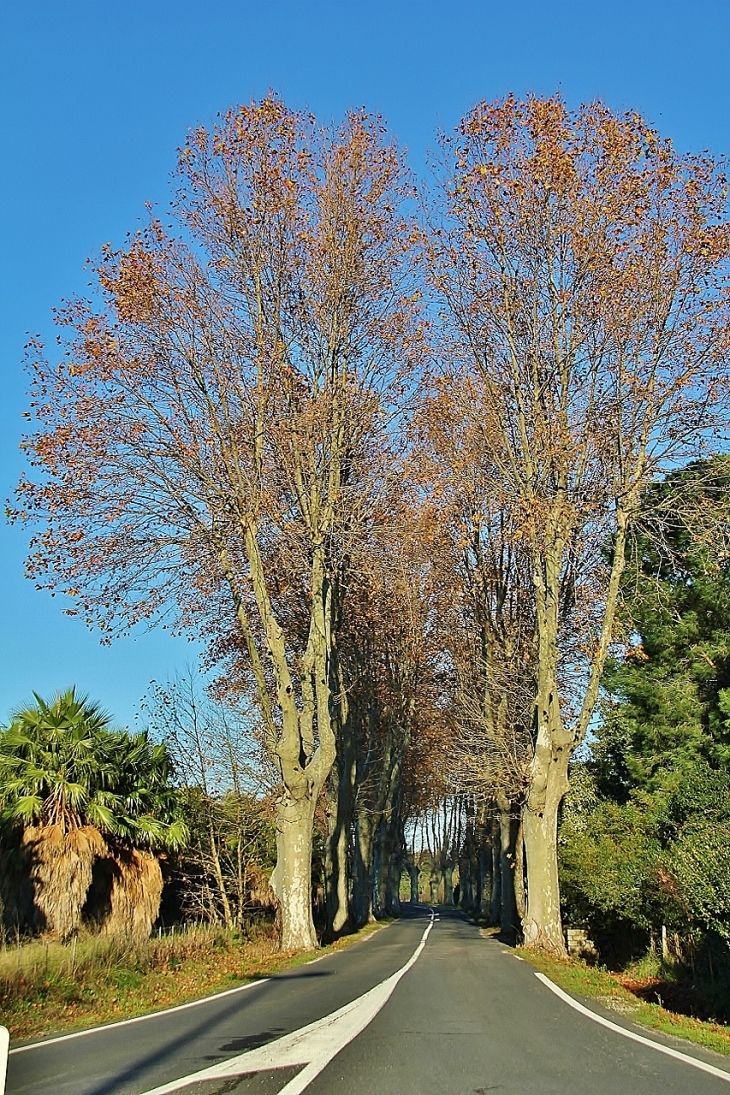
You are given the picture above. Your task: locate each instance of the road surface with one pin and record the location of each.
(426, 1005)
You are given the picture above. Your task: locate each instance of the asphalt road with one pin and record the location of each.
(465, 1018)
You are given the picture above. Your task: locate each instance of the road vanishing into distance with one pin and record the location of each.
(426, 1005)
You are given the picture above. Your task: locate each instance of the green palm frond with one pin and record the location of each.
(103, 818)
(177, 835)
(63, 761)
(25, 808)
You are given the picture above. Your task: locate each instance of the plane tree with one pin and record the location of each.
(581, 265)
(487, 628)
(206, 447)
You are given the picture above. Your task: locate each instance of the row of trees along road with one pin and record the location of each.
(371, 439)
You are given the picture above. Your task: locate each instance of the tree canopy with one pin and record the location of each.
(390, 459)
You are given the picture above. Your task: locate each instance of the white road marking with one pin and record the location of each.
(4, 1043)
(630, 1034)
(138, 1018)
(379, 928)
(313, 1046)
(163, 1011)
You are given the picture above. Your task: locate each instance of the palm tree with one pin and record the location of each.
(147, 819)
(84, 793)
(53, 786)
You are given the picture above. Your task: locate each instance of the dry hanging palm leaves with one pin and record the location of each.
(58, 870)
(128, 889)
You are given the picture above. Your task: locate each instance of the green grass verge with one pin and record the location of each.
(54, 988)
(598, 984)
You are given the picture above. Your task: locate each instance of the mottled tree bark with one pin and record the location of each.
(291, 880)
(339, 818)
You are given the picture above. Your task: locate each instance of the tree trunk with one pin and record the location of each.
(303, 757)
(381, 870)
(291, 880)
(362, 880)
(340, 807)
(507, 838)
(413, 873)
(466, 874)
(395, 871)
(448, 884)
(218, 871)
(240, 879)
(495, 901)
(336, 873)
(542, 926)
(339, 817)
(520, 872)
(482, 897)
(483, 881)
(434, 883)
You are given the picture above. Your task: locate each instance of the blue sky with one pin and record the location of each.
(96, 95)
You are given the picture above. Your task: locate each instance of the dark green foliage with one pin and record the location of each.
(645, 838)
(661, 858)
(669, 694)
(609, 855)
(699, 862)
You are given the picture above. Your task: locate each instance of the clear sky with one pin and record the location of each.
(96, 95)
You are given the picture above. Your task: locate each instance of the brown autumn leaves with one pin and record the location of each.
(383, 446)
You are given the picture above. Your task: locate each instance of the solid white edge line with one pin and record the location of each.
(4, 1043)
(137, 1018)
(694, 1061)
(257, 1060)
(151, 1014)
(312, 1069)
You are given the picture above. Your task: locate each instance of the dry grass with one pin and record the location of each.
(51, 987)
